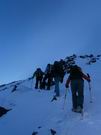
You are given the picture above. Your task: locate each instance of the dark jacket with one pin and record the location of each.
(76, 74)
(38, 74)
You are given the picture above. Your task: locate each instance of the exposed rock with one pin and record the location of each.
(3, 111)
(54, 98)
(34, 133)
(14, 89)
(53, 132)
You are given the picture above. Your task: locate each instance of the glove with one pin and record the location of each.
(30, 78)
(89, 80)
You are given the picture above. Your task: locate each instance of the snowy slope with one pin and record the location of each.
(33, 111)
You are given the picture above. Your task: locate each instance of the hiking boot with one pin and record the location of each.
(48, 88)
(36, 87)
(74, 109)
(79, 109)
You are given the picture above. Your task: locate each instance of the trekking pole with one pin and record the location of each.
(90, 89)
(65, 98)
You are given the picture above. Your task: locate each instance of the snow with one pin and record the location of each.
(32, 110)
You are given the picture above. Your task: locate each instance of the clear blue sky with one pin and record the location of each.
(36, 32)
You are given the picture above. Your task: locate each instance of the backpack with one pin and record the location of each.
(57, 69)
(75, 72)
(48, 69)
(39, 73)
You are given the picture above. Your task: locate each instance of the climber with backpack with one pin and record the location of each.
(48, 77)
(58, 73)
(76, 79)
(39, 76)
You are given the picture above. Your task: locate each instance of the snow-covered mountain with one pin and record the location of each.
(33, 113)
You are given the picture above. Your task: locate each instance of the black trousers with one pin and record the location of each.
(38, 83)
(49, 79)
(77, 88)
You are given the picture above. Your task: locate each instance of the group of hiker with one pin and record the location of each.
(54, 74)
